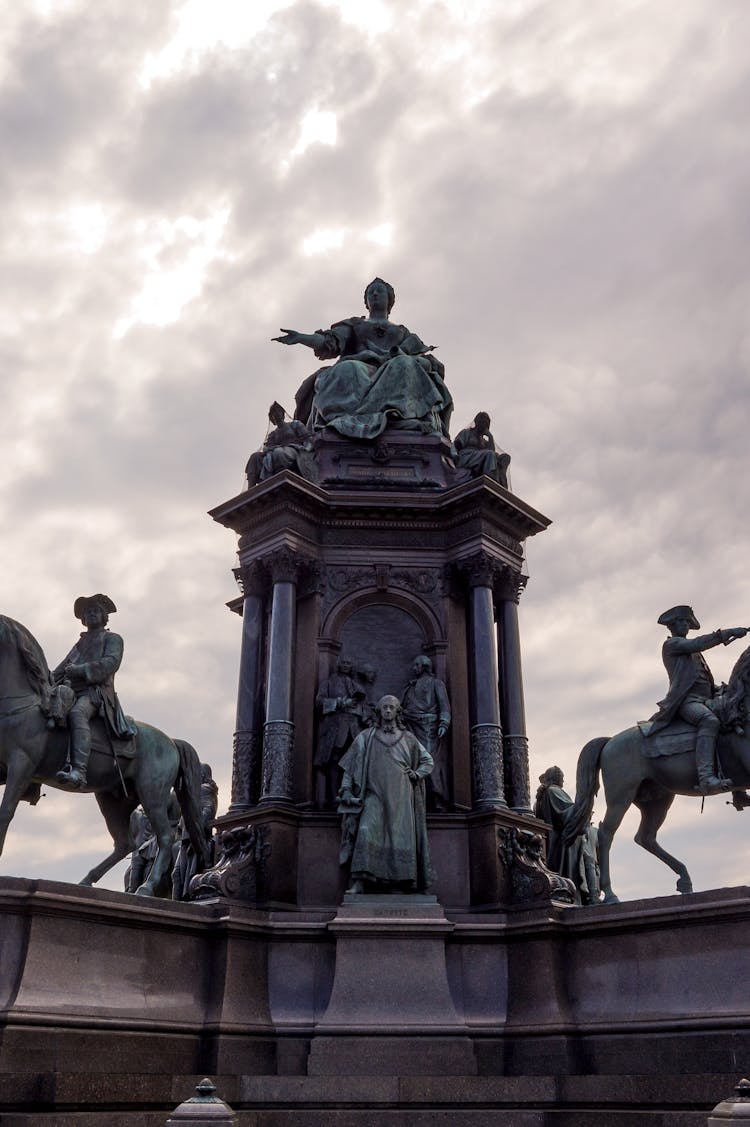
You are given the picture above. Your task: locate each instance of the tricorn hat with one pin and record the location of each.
(83, 602)
(674, 613)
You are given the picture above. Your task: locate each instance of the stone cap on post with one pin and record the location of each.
(204, 1109)
(733, 1109)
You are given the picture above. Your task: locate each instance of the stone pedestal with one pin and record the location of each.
(391, 1008)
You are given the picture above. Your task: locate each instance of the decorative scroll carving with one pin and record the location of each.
(422, 580)
(245, 769)
(487, 765)
(342, 580)
(517, 771)
(532, 883)
(238, 870)
(278, 752)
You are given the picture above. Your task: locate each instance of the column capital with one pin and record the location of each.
(480, 569)
(285, 565)
(509, 584)
(252, 578)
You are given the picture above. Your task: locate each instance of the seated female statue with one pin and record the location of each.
(385, 375)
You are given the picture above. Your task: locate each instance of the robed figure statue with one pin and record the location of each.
(382, 799)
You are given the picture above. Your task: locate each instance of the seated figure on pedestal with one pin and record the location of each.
(382, 799)
(385, 375)
(476, 451)
(286, 447)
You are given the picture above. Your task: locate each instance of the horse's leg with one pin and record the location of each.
(608, 827)
(158, 769)
(653, 814)
(20, 771)
(116, 810)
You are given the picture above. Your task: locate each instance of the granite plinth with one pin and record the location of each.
(606, 1014)
(391, 976)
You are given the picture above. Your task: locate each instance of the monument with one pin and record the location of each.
(379, 937)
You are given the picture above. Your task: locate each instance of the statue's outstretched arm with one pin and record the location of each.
(291, 336)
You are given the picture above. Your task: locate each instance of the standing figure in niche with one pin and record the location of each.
(382, 799)
(476, 451)
(427, 713)
(339, 704)
(385, 375)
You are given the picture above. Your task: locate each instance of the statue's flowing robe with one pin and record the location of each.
(384, 376)
(554, 806)
(390, 838)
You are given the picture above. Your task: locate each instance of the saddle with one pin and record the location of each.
(680, 736)
(61, 700)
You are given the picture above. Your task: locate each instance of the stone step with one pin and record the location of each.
(101, 1100)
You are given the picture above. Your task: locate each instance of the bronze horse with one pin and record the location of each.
(631, 778)
(31, 753)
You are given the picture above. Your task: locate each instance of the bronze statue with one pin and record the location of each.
(646, 770)
(427, 714)
(187, 861)
(382, 799)
(385, 375)
(89, 669)
(141, 834)
(691, 688)
(339, 703)
(120, 774)
(476, 451)
(286, 447)
(365, 676)
(575, 859)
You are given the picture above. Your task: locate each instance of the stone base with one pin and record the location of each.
(396, 460)
(391, 975)
(112, 1008)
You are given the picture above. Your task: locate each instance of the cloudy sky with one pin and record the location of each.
(559, 192)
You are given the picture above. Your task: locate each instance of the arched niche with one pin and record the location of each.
(385, 630)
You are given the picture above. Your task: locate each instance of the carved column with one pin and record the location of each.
(278, 730)
(486, 731)
(246, 760)
(515, 741)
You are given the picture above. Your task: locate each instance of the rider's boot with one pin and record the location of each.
(708, 782)
(74, 774)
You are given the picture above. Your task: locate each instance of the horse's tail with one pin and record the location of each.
(587, 788)
(188, 790)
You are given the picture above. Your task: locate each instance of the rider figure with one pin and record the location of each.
(691, 687)
(90, 669)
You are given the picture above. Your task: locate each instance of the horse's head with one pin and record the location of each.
(23, 666)
(737, 698)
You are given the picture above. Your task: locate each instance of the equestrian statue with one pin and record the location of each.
(66, 729)
(696, 744)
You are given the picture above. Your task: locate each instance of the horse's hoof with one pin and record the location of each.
(684, 885)
(87, 882)
(144, 890)
(610, 898)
